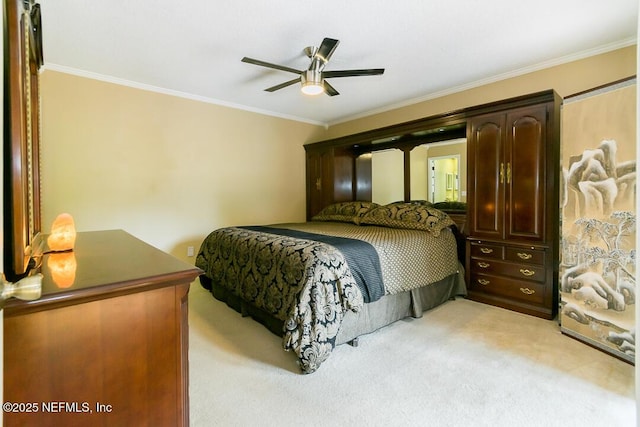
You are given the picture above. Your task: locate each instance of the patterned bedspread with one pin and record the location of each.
(308, 284)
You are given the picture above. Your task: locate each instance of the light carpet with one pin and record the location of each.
(461, 364)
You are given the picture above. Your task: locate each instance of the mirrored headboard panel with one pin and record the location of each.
(400, 164)
(387, 176)
(437, 172)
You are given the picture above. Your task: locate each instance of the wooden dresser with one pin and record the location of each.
(109, 349)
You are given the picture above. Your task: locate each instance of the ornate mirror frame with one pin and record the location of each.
(23, 57)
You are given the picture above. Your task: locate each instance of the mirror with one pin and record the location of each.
(443, 179)
(21, 185)
(387, 176)
(446, 182)
(439, 171)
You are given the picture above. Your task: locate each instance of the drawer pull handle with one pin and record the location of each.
(527, 291)
(524, 255)
(486, 250)
(527, 272)
(484, 282)
(484, 265)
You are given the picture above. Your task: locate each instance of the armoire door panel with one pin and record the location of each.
(525, 174)
(487, 170)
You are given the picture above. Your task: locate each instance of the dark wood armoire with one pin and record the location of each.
(513, 206)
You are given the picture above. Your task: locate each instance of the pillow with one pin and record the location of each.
(408, 215)
(345, 212)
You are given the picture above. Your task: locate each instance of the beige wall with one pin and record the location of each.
(166, 169)
(566, 79)
(169, 170)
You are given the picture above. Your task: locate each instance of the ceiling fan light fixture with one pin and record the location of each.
(312, 88)
(312, 83)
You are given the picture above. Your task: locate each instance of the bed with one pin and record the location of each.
(354, 268)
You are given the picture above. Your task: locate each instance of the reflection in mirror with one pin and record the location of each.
(439, 171)
(387, 173)
(387, 176)
(419, 172)
(444, 179)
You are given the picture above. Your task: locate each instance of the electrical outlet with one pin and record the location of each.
(189, 250)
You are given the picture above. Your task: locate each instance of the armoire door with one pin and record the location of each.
(525, 177)
(485, 169)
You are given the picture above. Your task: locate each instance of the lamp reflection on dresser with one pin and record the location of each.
(62, 266)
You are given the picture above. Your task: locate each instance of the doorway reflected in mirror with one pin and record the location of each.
(443, 179)
(388, 173)
(439, 171)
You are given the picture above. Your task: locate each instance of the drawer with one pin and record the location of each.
(487, 250)
(525, 255)
(503, 286)
(518, 271)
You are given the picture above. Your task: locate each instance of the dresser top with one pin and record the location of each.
(107, 264)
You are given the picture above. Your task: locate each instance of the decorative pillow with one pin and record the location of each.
(345, 212)
(408, 215)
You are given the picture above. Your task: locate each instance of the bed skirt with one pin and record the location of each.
(370, 318)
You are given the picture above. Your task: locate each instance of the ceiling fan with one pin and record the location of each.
(313, 78)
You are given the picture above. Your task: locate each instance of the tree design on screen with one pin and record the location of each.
(598, 242)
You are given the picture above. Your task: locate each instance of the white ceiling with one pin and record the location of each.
(193, 48)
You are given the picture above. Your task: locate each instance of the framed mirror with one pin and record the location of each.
(387, 176)
(443, 178)
(23, 58)
(439, 171)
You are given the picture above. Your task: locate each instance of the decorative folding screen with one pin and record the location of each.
(598, 218)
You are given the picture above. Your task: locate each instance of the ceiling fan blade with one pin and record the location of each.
(270, 65)
(353, 73)
(282, 85)
(326, 49)
(329, 90)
